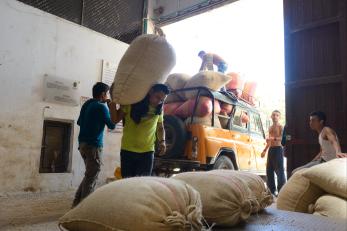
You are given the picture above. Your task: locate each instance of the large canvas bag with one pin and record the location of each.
(226, 201)
(255, 184)
(176, 81)
(140, 203)
(209, 79)
(330, 176)
(148, 60)
(298, 193)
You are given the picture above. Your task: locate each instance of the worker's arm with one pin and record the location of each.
(161, 138)
(116, 114)
(268, 144)
(203, 64)
(318, 156)
(331, 136)
(266, 148)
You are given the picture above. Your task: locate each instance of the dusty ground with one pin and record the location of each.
(19, 210)
(46, 226)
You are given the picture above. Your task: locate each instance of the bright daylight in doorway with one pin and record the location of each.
(248, 34)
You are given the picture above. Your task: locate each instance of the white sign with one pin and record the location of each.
(108, 72)
(62, 91)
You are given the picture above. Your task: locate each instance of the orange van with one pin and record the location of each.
(232, 140)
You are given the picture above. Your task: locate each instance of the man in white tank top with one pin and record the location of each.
(329, 144)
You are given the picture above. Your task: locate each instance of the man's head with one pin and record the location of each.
(317, 120)
(157, 94)
(275, 116)
(100, 91)
(201, 54)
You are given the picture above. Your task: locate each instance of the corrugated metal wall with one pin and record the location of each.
(316, 75)
(118, 19)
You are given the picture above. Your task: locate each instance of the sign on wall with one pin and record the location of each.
(108, 72)
(62, 91)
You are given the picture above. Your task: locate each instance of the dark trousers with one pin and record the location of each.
(275, 165)
(136, 164)
(92, 160)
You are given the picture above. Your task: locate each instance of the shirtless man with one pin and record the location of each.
(210, 59)
(329, 143)
(275, 155)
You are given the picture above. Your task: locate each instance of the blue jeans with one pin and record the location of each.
(275, 165)
(222, 67)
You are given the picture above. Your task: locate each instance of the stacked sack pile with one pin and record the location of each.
(191, 201)
(181, 104)
(320, 190)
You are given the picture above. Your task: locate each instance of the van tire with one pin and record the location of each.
(223, 162)
(175, 136)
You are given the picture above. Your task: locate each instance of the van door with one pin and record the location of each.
(240, 134)
(258, 142)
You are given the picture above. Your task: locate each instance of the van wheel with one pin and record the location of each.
(223, 162)
(175, 136)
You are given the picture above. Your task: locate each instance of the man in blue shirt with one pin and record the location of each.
(93, 117)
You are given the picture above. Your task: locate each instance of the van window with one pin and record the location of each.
(240, 119)
(255, 124)
(224, 115)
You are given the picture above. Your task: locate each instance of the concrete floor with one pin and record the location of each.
(21, 211)
(44, 226)
(41, 211)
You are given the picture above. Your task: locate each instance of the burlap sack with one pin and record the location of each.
(142, 203)
(298, 193)
(255, 184)
(176, 81)
(226, 201)
(170, 108)
(148, 60)
(330, 176)
(330, 206)
(203, 108)
(210, 79)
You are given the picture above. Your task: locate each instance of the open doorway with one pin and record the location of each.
(248, 34)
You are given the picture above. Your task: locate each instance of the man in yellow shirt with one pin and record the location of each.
(143, 124)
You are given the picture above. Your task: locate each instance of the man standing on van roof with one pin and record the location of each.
(275, 155)
(329, 143)
(210, 59)
(93, 117)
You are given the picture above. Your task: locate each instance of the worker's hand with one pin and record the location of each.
(162, 148)
(111, 104)
(263, 154)
(341, 155)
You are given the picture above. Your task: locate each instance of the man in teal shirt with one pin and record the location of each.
(93, 117)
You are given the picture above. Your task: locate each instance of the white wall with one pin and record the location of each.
(32, 44)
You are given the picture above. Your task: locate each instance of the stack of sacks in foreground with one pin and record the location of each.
(228, 197)
(181, 104)
(141, 203)
(321, 190)
(147, 61)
